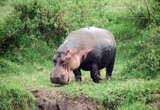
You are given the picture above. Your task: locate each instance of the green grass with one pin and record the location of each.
(12, 98)
(122, 93)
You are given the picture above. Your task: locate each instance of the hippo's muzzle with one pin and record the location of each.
(59, 80)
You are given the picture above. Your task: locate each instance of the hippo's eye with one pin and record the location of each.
(62, 62)
(54, 61)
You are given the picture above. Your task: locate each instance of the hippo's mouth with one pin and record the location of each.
(62, 75)
(67, 72)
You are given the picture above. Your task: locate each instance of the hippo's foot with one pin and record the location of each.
(109, 78)
(78, 78)
(97, 79)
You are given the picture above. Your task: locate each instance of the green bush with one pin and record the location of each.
(140, 16)
(10, 33)
(156, 9)
(146, 15)
(46, 23)
(32, 20)
(128, 98)
(146, 63)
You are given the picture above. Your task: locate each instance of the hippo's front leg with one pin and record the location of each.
(77, 73)
(95, 73)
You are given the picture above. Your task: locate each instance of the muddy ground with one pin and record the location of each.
(54, 100)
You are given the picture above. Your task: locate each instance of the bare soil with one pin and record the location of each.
(54, 100)
(154, 101)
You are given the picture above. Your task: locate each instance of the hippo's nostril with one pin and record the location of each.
(52, 80)
(61, 79)
(56, 80)
(62, 76)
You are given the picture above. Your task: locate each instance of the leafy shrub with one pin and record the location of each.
(116, 99)
(156, 10)
(140, 17)
(32, 20)
(147, 63)
(146, 15)
(10, 33)
(142, 93)
(46, 23)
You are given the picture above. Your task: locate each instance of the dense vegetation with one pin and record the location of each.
(31, 30)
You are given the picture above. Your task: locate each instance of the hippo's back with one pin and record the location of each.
(90, 37)
(93, 36)
(101, 42)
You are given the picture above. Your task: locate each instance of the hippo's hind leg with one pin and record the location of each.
(95, 74)
(109, 70)
(77, 73)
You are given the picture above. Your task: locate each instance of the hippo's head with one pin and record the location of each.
(65, 63)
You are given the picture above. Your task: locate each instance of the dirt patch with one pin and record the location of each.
(154, 100)
(54, 100)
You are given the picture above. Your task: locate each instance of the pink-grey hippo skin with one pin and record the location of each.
(89, 49)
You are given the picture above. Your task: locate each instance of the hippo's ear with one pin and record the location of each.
(69, 53)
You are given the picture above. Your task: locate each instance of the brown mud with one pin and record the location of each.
(54, 100)
(154, 101)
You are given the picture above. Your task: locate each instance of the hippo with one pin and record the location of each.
(90, 49)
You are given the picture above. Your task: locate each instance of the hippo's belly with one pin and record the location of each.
(102, 57)
(87, 64)
(88, 67)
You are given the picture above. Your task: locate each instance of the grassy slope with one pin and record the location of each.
(127, 94)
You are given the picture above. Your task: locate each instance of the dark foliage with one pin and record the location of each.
(32, 21)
